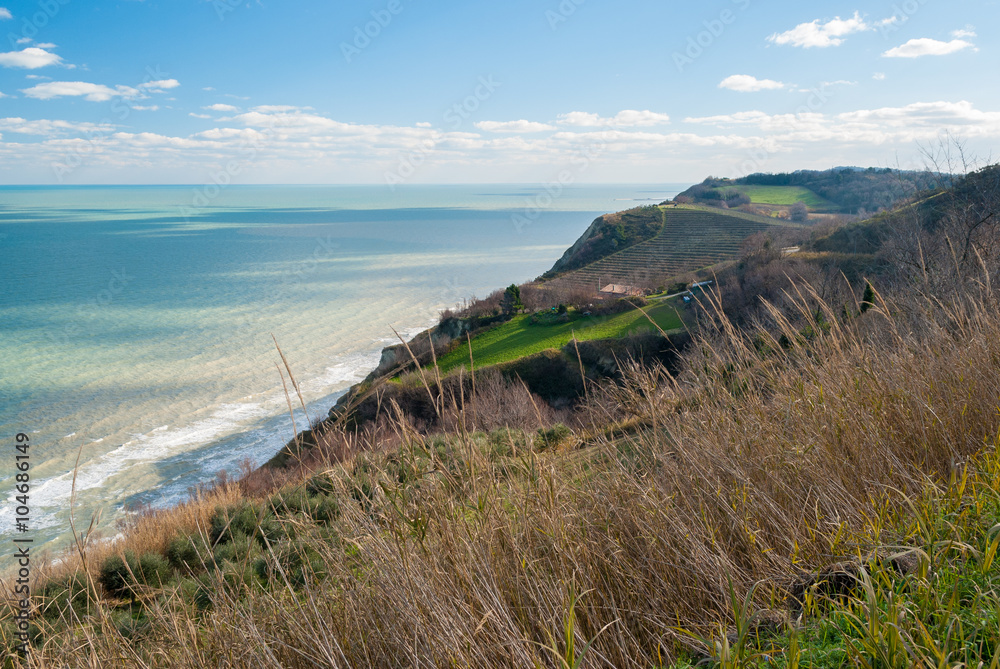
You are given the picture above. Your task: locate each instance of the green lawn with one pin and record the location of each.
(520, 337)
(786, 195)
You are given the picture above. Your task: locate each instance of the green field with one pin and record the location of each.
(520, 337)
(786, 195)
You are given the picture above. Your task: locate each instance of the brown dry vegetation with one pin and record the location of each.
(758, 462)
(779, 449)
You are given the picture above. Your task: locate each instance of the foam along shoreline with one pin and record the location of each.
(190, 454)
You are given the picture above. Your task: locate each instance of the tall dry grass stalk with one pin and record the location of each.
(774, 453)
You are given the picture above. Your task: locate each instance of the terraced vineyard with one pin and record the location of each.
(692, 237)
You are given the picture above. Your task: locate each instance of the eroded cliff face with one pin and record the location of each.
(572, 251)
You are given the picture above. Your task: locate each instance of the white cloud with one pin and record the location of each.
(925, 46)
(31, 58)
(5, 13)
(821, 35)
(199, 115)
(626, 118)
(745, 83)
(966, 32)
(208, 88)
(160, 85)
(306, 146)
(49, 127)
(146, 108)
(88, 91)
(219, 107)
(272, 109)
(521, 126)
(929, 114)
(879, 76)
(424, 124)
(46, 45)
(730, 119)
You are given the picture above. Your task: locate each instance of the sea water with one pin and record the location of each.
(136, 323)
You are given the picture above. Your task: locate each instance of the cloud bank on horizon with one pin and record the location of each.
(398, 92)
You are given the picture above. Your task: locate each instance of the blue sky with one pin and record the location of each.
(414, 91)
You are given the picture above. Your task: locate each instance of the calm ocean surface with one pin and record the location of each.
(135, 322)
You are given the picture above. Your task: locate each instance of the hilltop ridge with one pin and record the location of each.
(811, 479)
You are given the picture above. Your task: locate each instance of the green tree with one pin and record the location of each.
(868, 300)
(512, 300)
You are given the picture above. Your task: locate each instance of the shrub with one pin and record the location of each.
(245, 519)
(325, 510)
(240, 548)
(677, 287)
(115, 576)
(552, 437)
(868, 299)
(131, 627)
(798, 212)
(296, 562)
(124, 575)
(187, 553)
(364, 491)
(321, 484)
(154, 570)
(61, 595)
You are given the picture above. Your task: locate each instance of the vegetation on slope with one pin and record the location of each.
(848, 190)
(786, 195)
(933, 600)
(608, 234)
(757, 464)
(690, 239)
(750, 484)
(529, 334)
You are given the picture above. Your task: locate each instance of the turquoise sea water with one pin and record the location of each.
(136, 322)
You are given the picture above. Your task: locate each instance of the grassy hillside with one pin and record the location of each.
(785, 196)
(817, 484)
(526, 335)
(691, 237)
(609, 234)
(846, 190)
(755, 470)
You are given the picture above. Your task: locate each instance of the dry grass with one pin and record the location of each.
(774, 453)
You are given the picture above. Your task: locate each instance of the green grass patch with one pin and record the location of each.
(520, 337)
(943, 612)
(786, 196)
